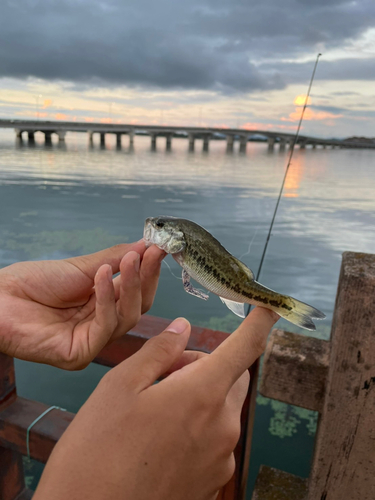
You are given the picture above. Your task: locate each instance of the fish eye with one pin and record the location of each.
(160, 224)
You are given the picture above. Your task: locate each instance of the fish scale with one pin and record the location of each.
(204, 259)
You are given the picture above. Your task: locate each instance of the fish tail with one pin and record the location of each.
(299, 313)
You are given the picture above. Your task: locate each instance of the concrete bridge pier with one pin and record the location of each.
(314, 146)
(118, 140)
(230, 142)
(90, 135)
(243, 143)
(191, 139)
(206, 142)
(302, 145)
(19, 139)
(153, 142)
(271, 144)
(168, 142)
(31, 137)
(102, 140)
(131, 139)
(282, 144)
(61, 135)
(48, 138)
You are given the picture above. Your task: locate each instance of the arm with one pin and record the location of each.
(63, 312)
(174, 440)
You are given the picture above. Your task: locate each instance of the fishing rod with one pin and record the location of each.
(285, 175)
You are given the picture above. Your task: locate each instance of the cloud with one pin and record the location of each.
(224, 45)
(341, 69)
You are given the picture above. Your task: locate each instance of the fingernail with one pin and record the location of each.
(110, 274)
(179, 325)
(137, 262)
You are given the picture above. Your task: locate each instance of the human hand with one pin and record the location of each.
(174, 440)
(63, 312)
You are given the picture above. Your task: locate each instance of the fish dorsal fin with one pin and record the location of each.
(237, 308)
(244, 267)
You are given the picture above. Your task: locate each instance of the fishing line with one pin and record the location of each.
(285, 175)
(250, 244)
(179, 278)
(170, 270)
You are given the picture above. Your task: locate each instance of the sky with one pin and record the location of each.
(224, 63)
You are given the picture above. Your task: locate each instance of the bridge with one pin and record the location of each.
(60, 128)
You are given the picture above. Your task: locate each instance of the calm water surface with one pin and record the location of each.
(60, 202)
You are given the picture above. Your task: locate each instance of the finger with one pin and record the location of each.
(239, 351)
(237, 394)
(150, 272)
(129, 304)
(105, 321)
(89, 264)
(186, 359)
(158, 355)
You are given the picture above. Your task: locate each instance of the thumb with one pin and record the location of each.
(158, 354)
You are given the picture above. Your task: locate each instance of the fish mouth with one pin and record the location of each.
(147, 232)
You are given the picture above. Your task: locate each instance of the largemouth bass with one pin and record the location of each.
(204, 259)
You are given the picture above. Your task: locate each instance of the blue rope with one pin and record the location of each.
(35, 421)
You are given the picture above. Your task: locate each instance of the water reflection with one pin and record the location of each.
(294, 177)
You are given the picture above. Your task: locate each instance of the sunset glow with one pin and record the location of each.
(301, 99)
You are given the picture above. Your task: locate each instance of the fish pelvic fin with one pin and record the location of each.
(301, 314)
(237, 308)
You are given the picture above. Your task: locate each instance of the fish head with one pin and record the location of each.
(165, 233)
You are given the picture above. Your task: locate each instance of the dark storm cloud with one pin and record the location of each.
(342, 69)
(200, 44)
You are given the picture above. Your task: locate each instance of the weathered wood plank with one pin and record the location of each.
(12, 482)
(295, 369)
(344, 458)
(273, 484)
(201, 339)
(7, 379)
(16, 418)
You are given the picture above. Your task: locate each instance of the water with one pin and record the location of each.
(60, 202)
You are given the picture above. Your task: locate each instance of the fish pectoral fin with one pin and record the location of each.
(190, 289)
(246, 269)
(237, 308)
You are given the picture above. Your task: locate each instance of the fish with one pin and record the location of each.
(203, 258)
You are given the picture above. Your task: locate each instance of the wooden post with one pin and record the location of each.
(12, 483)
(344, 459)
(295, 369)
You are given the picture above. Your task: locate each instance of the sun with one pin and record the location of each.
(301, 99)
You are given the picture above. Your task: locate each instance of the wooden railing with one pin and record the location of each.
(16, 413)
(335, 378)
